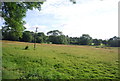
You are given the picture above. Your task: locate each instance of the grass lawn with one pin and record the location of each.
(51, 61)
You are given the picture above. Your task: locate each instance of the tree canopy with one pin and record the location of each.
(13, 14)
(85, 39)
(54, 33)
(26, 37)
(56, 37)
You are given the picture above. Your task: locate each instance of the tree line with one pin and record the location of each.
(13, 14)
(57, 37)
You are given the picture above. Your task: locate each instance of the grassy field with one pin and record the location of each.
(50, 61)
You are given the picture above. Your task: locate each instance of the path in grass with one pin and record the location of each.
(58, 62)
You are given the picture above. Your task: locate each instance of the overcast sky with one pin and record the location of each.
(98, 18)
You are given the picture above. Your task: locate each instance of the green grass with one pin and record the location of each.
(50, 61)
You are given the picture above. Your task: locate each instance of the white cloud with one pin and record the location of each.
(27, 26)
(99, 19)
(95, 17)
(41, 28)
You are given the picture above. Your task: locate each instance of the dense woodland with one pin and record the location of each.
(57, 37)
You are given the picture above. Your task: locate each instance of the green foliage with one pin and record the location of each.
(58, 62)
(97, 41)
(105, 42)
(74, 40)
(54, 33)
(41, 37)
(85, 39)
(114, 42)
(56, 37)
(9, 35)
(26, 37)
(13, 14)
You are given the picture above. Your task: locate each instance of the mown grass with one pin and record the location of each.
(58, 62)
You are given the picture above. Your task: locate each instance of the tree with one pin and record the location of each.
(114, 42)
(41, 38)
(85, 39)
(105, 42)
(54, 33)
(56, 37)
(27, 36)
(74, 40)
(13, 14)
(9, 35)
(63, 39)
(97, 41)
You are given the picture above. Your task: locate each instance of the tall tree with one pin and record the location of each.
(105, 42)
(56, 37)
(97, 41)
(41, 37)
(13, 14)
(74, 40)
(114, 42)
(54, 33)
(9, 35)
(85, 39)
(27, 36)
